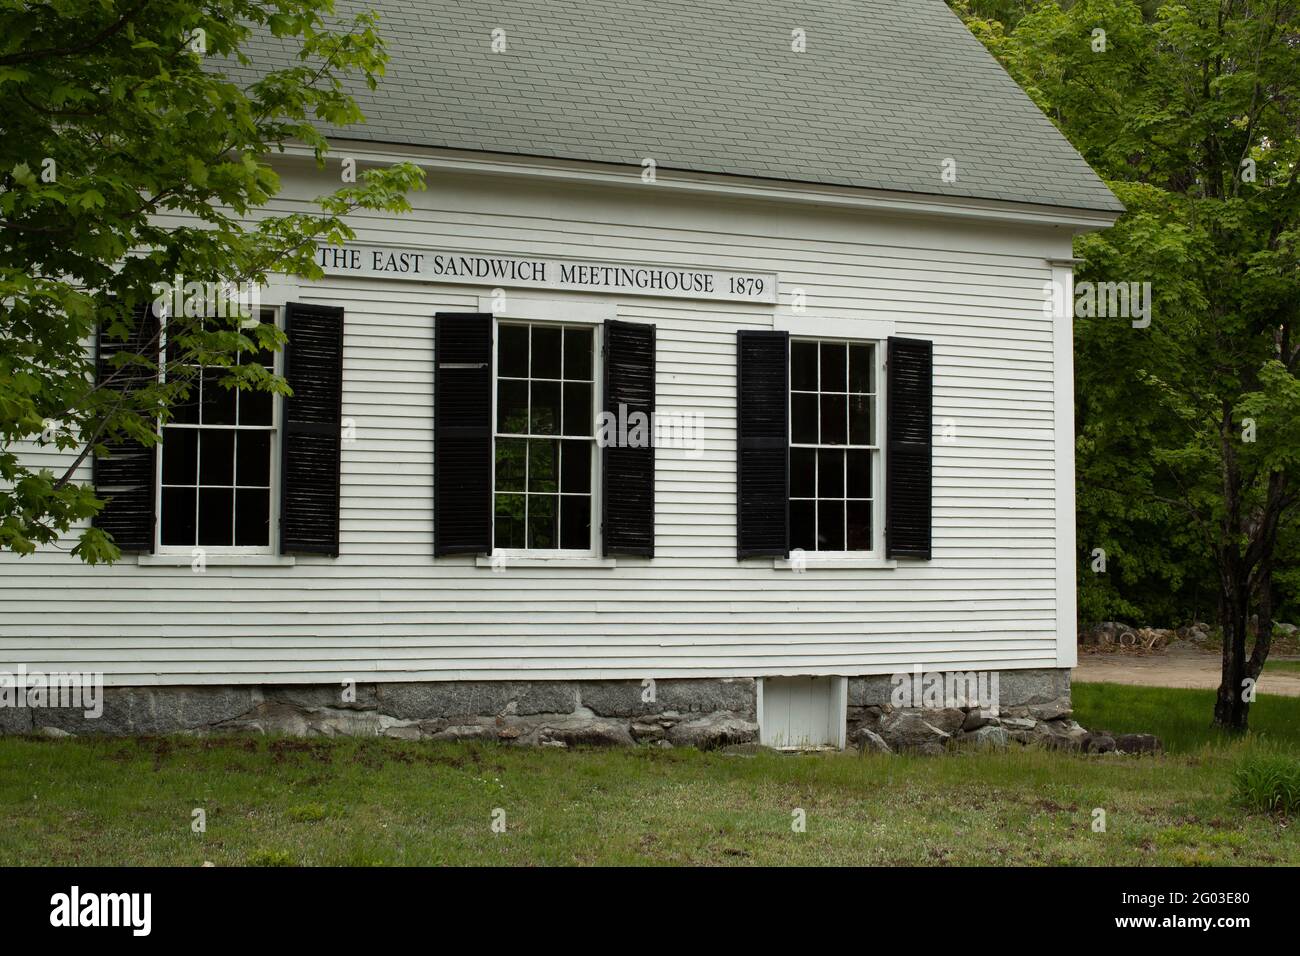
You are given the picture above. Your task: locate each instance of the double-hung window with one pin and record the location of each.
(834, 445)
(217, 465)
(545, 449)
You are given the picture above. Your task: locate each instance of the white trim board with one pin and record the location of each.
(572, 307)
(1067, 650)
(822, 326)
(881, 201)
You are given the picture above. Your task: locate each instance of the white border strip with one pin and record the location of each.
(1067, 650)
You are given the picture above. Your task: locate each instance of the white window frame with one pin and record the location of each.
(856, 327)
(877, 551)
(262, 552)
(561, 313)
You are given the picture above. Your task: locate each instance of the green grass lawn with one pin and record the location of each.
(1180, 717)
(376, 801)
(1290, 666)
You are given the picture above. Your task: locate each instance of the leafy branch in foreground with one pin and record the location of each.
(135, 146)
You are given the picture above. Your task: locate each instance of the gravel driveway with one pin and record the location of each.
(1177, 668)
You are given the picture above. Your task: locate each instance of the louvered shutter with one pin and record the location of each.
(628, 475)
(127, 478)
(763, 443)
(909, 448)
(311, 441)
(462, 434)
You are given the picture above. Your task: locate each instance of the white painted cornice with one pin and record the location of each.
(575, 171)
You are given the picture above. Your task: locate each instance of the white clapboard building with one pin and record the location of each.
(715, 379)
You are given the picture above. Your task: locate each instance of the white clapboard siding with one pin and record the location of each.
(386, 610)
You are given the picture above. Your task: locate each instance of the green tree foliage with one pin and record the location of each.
(1189, 429)
(135, 142)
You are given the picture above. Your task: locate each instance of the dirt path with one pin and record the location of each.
(1175, 669)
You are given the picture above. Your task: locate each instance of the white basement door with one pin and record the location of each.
(802, 712)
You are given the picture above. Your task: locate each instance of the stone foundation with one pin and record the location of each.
(1033, 707)
(698, 713)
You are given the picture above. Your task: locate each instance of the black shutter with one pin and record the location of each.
(312, 430)
(462, 434)
(127, 477)
(763, 443)
(628, 475)
(909, 448)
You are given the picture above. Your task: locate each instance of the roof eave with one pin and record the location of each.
(721, 184)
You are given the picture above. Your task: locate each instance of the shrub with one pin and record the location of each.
(1268, 783)
(270, 858)
(308, 812)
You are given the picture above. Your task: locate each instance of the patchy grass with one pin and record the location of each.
(275, 802)
(1289, 666)
(1181, 717)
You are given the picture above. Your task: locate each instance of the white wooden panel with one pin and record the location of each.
(386, 610)
(802, 712)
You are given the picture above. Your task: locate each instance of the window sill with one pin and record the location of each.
(216, 560)
(810, 562)
(503, 562)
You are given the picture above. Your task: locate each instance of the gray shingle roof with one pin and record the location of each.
(885, 92)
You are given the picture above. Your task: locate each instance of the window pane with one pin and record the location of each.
(575, 522)
(544, 416)
(862, 368)
(834, 419)
(180, 451)
(512, 351)
(217, 457)
(178, 516)
(803, 533)
(834, 367)
(541, 521)
(859, 474)
(830, 525)
(253, 517)
(262, 357)
(175, 354)
(830, 474)
(859, 517)
(254, 407)
(512, 407)
(578, 419)
(542, 465)
(546, 352)
(803, 419)
(509, 524)
(803, 473)
(577, 354)
(218, 406)
(216, 518)
(803, 366)
(512, 459)
(575, 467)
(253, 459)
(861, 430)
(186, 411)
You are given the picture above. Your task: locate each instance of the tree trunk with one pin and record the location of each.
(1231, 709)
(1264, 631)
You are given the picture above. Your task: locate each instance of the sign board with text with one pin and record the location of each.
(526, 272)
